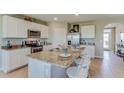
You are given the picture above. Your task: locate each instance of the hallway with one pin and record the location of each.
(109, 67)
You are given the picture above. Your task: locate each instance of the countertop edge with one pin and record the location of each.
(47, 62)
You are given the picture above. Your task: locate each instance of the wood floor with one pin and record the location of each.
(109, 67)
(19, 73)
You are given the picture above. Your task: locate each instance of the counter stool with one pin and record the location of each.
(83, 60)
(80, 71)
(77, 72)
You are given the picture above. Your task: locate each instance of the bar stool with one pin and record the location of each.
(82, 60)
(79, 71)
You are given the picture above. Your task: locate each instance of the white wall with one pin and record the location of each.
(57, 33)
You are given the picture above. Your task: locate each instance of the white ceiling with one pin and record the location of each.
(72, 18)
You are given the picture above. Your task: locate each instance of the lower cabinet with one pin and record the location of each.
(90, 50)
(43, 69)
(13, 59)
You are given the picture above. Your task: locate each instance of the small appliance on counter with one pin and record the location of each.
(84, 42)
(9, 45)
(69, 42)
(35, 46)
(23, 44)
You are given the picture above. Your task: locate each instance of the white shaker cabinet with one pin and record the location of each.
(90, 50)
(9, 26)
(22, 29)
(13, 59)
(17, 28)
(14, 27)
(34, 26)
(23, 56)
(88, 31)
(43, 69)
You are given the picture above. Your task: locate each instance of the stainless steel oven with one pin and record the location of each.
(34, 34)
(36, 49)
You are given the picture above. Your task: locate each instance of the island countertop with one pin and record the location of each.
(53, 57)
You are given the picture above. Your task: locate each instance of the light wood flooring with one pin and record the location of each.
(19, 73)
(109, 67)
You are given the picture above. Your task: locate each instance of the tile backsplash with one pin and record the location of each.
(87, 41)
(16, 41)
(13, 41)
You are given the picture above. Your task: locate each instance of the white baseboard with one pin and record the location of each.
(101, 57)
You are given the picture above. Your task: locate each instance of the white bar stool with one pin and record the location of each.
(80, 71)
(77, 72)
(82, 60)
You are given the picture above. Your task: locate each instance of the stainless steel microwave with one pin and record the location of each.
(34, 34)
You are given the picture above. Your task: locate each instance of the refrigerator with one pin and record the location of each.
(73, 38)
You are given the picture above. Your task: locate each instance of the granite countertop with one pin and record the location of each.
(13, 47)
(48, 44)
(53, 57)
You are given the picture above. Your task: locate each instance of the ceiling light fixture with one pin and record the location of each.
(55, 18)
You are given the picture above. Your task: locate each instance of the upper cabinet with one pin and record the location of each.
(34, 26)
(88, 31)
(17, 28)
(21, 29)
(14, 27)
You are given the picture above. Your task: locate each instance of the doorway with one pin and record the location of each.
(110, 34)
(107, 39)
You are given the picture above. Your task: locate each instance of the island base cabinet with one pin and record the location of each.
(41, 69)
(38, 69)
(90, 50)
(58, 72)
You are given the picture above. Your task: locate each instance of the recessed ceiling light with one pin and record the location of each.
(76, 14)
(55, 18)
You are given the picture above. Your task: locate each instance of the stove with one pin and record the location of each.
(36, 49)
(35, 46)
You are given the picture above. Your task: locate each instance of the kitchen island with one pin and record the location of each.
(49, 64)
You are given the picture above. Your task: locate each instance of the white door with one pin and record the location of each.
(107, 39)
